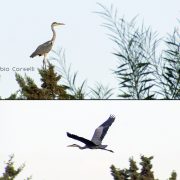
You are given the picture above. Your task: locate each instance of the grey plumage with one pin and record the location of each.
(42, 49)
(101, 131)
(97, 138)
(46, 47)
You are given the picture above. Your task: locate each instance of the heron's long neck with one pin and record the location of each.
(54, 34)
(81, 147)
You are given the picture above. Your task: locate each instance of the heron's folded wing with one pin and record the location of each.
(43, 48)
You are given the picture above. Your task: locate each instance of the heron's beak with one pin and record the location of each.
(61, 24)
(70, 145)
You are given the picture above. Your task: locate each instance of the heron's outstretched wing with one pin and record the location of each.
(101, 131)
(83, 140)
(42, 49)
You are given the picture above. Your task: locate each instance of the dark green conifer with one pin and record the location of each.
(10, 172)
(173, 176)
(50, 88)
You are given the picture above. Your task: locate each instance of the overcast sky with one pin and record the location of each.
(35, 131)
(26, 24)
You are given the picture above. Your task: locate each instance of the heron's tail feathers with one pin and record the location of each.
(33, 54)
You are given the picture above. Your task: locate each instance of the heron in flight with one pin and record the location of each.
(95, 142)
(44, 48)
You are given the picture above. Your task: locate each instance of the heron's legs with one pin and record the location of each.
(107, 150)
(44, 61)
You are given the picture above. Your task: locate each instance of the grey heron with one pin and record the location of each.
(95, 142)
(44, 48)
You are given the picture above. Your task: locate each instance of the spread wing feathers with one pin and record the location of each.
(101, 131)
(81, 139)
(42, 49)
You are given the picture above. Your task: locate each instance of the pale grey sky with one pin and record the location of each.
(35, 131)
(26, 24)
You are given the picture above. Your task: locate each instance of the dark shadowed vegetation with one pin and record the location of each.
(10, 172)
(134, 173)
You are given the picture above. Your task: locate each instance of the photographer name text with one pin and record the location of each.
(17, 69)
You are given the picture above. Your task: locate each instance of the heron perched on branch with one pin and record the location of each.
(97, 138)
(44, 48)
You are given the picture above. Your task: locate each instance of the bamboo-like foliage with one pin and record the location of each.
(69, 77)
(171, 67)
(101, 92)
(135, 49)
(70, 80)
